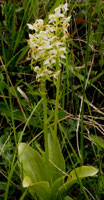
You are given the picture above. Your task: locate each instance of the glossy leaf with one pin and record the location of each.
(41, 188)
(82, 172)
(33, 163)
(57, 163)
(56, 185)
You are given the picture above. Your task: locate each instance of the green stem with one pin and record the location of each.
(13, 166)
(57, 99)
(84, 84)
(43, 92)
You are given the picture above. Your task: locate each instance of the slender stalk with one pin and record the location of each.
(79, 180)
(57, 99)
(29, 118)
(57, 90)
(13, 166)
(84, 84)
(43, 92)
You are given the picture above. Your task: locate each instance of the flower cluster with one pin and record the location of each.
(47, 43)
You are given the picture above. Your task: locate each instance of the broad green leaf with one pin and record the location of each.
(41, 188)
(99, 141)
(57, 163)
(56, 185)
(33, 163)
(80, 172)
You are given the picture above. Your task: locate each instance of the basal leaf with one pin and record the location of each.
(56, 185)
(42, 189)
(80, 172)
(57, 163)
(33, 163)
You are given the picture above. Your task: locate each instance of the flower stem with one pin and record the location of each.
(43, 91)
(57, 99)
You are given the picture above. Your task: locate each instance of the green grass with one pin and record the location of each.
(80, 106)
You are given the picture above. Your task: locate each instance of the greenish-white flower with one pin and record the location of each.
(47, 43)
(63, 8)
(38, 25)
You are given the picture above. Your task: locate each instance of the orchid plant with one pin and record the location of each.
(44, 173)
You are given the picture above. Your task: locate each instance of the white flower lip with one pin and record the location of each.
(31, 27)
(55, 16)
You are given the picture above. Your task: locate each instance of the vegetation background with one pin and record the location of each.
(81, 108)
